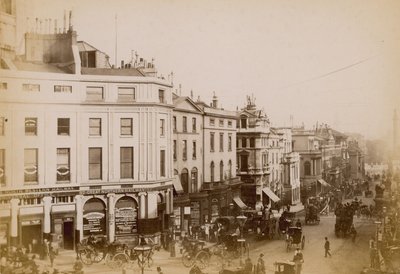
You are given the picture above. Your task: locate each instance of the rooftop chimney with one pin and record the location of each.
(70, 21)
(65, 21)
(215, 101)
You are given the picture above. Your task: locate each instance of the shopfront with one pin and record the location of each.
(126, 219)
(4, 228)
(31, 232)
(94, 218)
(63, 231)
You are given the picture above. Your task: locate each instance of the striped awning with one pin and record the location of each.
(177, 184)
(239, 202)
(270, 194)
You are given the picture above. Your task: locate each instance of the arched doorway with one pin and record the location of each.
(161, 207)
(94, 217)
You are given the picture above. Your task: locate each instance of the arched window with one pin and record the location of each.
(94, 208)
(307, 168)
(194, 180)
(212, 172)
(185, 180)
(230, 169)
(221, 171)
(126, 208)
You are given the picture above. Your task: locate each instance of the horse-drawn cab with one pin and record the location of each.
(284, 267)
(294, 237)
(312, 216)
(227, 232)
(286, 220)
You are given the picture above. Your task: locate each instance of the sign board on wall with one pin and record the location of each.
(94, 223)
(125, 220)
(195, 213)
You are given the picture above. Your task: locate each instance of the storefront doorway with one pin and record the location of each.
(31, 232)
(68, 234)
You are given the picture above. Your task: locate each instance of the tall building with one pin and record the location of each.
(83, 149)
(254, 142)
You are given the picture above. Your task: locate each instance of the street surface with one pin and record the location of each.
(347, 257)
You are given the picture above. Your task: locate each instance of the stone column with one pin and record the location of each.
(168, 209)
(14, 221)
(46, 217)
(79, 217)
(111, 217)
(142, 205)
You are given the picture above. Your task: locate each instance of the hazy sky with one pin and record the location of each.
(335, 62)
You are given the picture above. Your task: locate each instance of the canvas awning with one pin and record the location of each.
(177, 184)
(323, 182)
(239, 202)
(270, 194)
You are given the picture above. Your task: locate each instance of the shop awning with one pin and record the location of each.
(177, 184)
(270, 194)
(239, 202)
(323, 182)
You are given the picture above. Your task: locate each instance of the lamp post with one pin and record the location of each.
(241, 219)
(142, 249)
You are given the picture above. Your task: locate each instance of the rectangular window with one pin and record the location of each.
(184, 150)
(126, 94)
(62, 126)
(221, 123)
(94, 93)
(175, 152)
(126, 162)
(212, 141)
(162, 127)
(184, 124)
(194, 153)
(63, 165)
(243, 163)
(212, 121)
(2, 167)
(194, 126)
(126, 126)
(31, 126)
(162, 163)
(221, 142)
(174, 123)
(30, 87)
(161, 96)
(94, 126)
(64, 89)
(31, 165)
(229, 123)
(230, 142)
(3, 86)
(95, 163)
(252, 142)
(2, 126)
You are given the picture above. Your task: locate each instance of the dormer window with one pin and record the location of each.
(243, 122)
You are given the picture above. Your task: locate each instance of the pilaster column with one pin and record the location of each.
(14, 221)
(142, 205)
(47, 219)
(167, 202)
(111, 216)
(79, 216)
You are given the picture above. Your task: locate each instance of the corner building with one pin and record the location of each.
(83, 150)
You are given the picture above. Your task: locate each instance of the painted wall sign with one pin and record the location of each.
(195, 213)
(125, 220)
(94, 223)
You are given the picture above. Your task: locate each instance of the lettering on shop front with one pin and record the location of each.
(125, 220)
(94, 223)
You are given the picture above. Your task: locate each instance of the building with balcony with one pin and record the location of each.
(83, 150)
(254, 140)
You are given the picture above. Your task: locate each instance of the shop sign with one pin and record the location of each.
(94, 223)
(195, 213)
(125, 220)
(186, 210)
(31, 222)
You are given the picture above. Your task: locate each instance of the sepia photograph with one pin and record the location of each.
(199, 137)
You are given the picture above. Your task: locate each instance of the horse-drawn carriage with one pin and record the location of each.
(294, 237)
(286, 220)
(344, 220)
(229, 236)
(312, 215)
(282, 267)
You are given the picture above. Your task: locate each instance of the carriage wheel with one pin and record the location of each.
(120, 259)
(303, 242)
(202, 259)
(187, 259)
(85, 257)
(109, 261)
(97, 256)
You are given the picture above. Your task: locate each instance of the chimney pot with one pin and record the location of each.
(122, 63)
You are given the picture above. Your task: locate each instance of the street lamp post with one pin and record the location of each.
(142, 249)
(241, 219)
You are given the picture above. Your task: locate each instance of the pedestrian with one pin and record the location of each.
(260, 269)
(298, 259)
(353, 233)
(159, 271)
(327, 247)
(248, 266)
(207, 232)
(52, 255)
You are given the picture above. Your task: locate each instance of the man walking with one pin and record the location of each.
(327, 247)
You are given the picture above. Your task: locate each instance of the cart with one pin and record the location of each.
(294, 237)
(286, 267)
(312, 215)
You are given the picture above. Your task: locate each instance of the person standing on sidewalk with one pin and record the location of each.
(260, 269)
(327, 247)
(52, 255)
